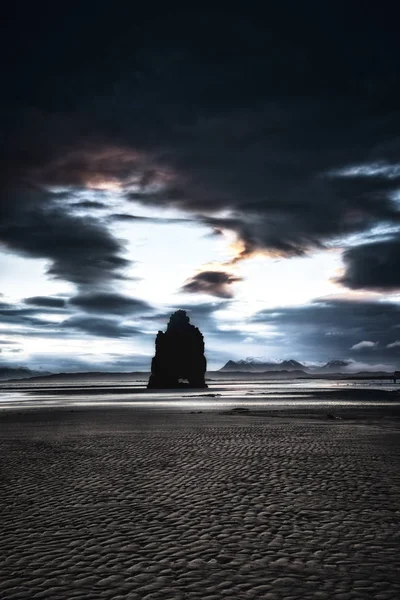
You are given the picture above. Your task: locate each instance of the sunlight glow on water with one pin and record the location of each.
(220, 395)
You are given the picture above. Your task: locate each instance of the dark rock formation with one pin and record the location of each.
(179, 355)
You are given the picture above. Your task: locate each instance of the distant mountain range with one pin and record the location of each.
(333, 366)
(11, 374)
(250, 365)
(19, 373)
(285, 369)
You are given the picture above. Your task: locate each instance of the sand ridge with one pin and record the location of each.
(146, 505)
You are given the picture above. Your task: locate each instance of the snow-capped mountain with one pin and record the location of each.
(334, 366)
(253, 365)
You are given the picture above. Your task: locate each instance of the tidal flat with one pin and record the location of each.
(198, 500)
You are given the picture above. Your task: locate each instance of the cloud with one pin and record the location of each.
(89, 204)
(35, 319)
(215, 283)
(80, 249)
(27, 317)
(373, 266)
(158, 220)
(395, 344)
(30, 322)
(266, 121)
(357, 367)
(364, 345)
(99, 326)
(45, 301)
(108, 302)
(127, 217)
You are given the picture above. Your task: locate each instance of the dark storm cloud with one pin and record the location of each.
(80, 249)
(215, 283)
(14, 314)
(98, 326)
(20, 311)
(256, 113)
(91, 204)
(328, 329)
(27, 318)
(127, 217)
(45, 301)
(373, 266)
(30, 322)
(109, 302)
(157, 220)
(27, 322)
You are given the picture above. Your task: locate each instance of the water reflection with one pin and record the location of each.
(221, 395)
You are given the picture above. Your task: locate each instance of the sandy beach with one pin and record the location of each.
(136, 503)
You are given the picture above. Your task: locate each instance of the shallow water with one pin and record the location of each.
(268, 394)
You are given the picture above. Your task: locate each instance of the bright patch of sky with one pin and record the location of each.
(47, 353)
(165, 255)
(271, 282)
(22, 277)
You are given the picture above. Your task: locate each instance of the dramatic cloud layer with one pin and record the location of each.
(80, 249)
(17, 315)
(215, 283)
(108, 302)
(32, 317)
(103, 327)
(266, 118)
(373, 266)
(45, 301)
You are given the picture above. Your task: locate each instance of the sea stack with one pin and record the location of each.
(179, 355)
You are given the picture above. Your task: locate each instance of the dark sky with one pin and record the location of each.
(279, 126)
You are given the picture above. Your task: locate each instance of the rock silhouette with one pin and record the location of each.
(179, 355)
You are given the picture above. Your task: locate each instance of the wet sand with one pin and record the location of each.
(128, 503)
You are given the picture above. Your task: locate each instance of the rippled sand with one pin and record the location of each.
(128, 504)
